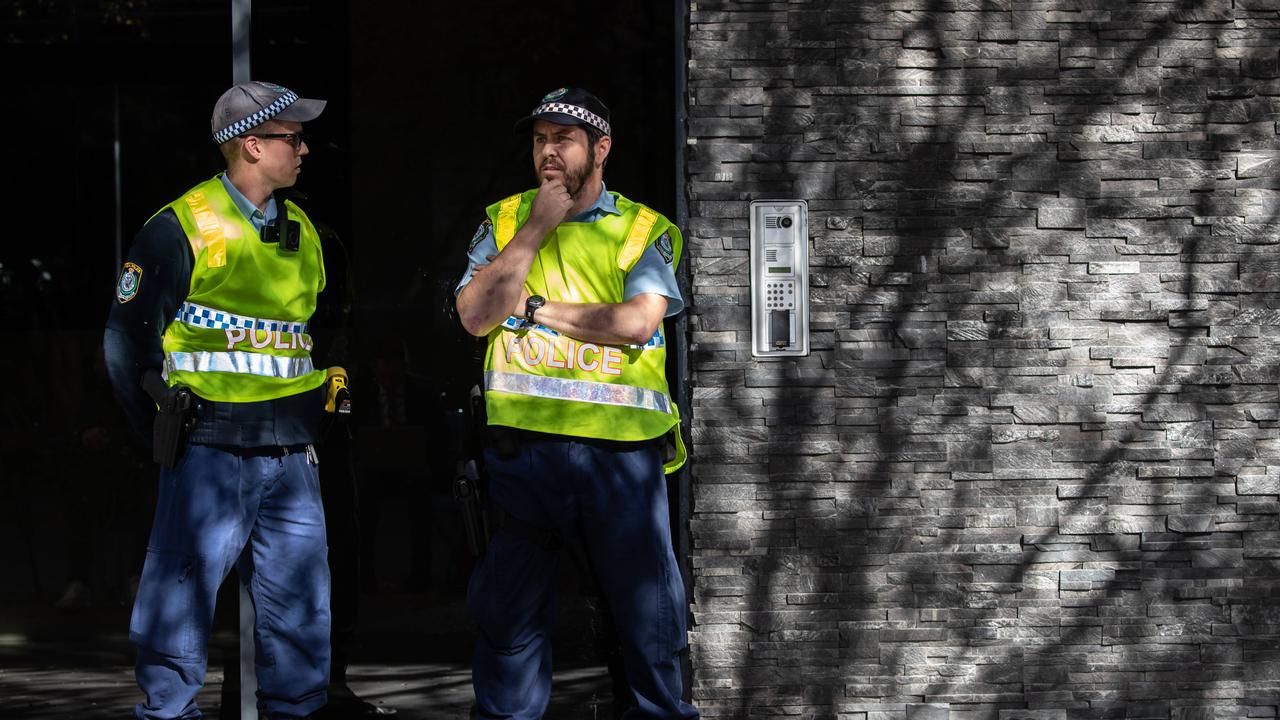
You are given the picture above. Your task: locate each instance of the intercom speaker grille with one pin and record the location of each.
(770, 255)
(771, 221)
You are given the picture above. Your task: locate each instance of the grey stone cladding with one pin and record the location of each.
(1031, 469)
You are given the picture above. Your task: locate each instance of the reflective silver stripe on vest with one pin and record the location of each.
(204, 317)
(245, 363)
(577, 390)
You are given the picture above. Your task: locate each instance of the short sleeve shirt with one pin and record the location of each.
(652, 273)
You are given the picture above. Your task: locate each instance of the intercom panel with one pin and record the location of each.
(779, 278)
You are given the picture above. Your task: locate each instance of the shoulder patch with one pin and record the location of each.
(664, 247)
(130, 280)
(480, 233)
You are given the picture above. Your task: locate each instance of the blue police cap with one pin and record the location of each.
(569, 106)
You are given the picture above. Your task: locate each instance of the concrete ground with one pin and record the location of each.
(413, 655)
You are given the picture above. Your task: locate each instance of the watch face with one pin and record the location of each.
(533, 303)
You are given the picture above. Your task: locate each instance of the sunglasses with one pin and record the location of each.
(294, 139)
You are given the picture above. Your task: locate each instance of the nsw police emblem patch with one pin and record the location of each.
(480, 233)
(555, 95)
(130, 280)
(664, 247)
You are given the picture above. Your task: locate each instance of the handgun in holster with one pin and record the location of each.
(475, 523)
(469, 483)
(175, 415)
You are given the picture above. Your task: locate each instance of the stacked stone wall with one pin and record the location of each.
(1031, 468)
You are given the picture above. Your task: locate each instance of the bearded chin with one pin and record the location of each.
(574, 182)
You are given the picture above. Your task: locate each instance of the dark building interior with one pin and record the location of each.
(107, 119)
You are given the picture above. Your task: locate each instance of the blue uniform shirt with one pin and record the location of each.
(259, 218)
(651, 274)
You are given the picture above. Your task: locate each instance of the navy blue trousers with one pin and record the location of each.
(616, 497)
(262, 515)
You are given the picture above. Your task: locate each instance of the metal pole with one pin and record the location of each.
(248, 679)
(119, 181)
(241, 13)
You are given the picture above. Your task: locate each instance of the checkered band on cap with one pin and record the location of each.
(240, 127)
(581, 113)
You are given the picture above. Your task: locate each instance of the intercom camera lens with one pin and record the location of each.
(785, 222)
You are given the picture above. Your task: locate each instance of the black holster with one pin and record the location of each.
(475, 523)
(470, 481)
(174, 418)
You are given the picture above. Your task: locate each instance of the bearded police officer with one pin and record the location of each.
(569, 283)
(215, 298)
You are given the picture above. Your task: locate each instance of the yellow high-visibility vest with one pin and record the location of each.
(241, 335)
(541, 380)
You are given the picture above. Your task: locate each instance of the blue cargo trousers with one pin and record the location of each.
(615, 496)
(259, 510)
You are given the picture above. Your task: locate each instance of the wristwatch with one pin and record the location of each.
(531, 306)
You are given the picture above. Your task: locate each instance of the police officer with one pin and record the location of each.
(215, 296)
(569, 283)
